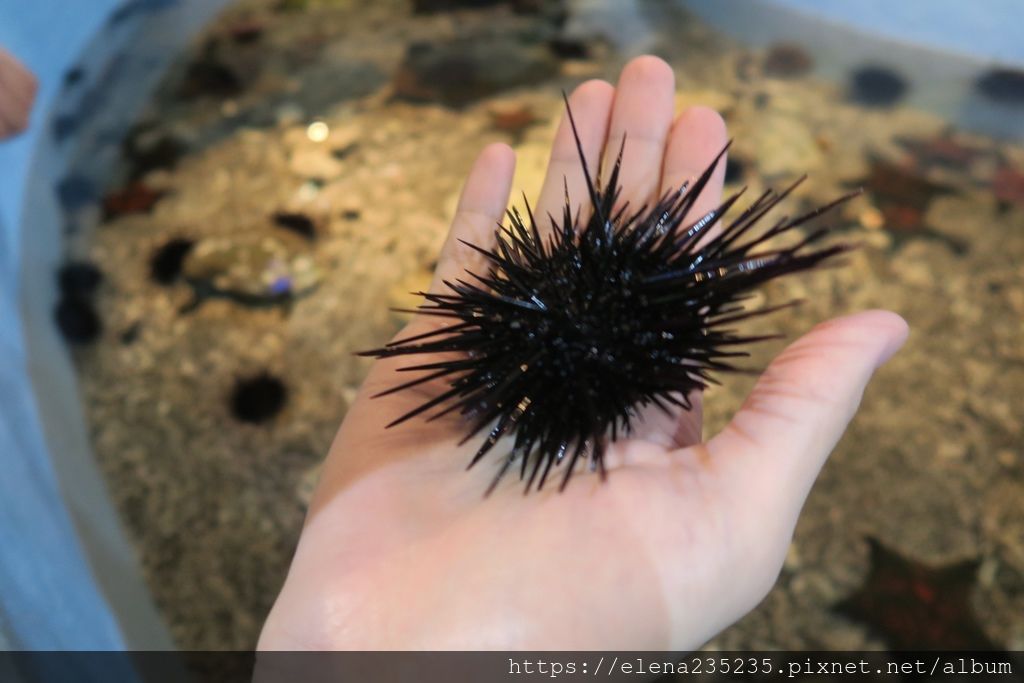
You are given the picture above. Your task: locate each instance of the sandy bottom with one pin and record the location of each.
(932, 465)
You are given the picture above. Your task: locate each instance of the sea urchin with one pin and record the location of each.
(572, 330)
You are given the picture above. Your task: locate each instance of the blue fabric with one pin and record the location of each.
(48, 598)
(68, 577)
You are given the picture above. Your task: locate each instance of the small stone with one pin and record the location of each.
(871, 218)
(349, 394)
(1007, 458)
(309, 190)
(307, 485)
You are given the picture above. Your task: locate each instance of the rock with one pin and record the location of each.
(787, 60)
(468, 68)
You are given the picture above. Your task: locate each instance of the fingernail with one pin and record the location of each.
(898, 330)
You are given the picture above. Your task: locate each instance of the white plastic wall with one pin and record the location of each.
(68, 577)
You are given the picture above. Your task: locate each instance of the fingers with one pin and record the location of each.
(642, 113)
(591, 105)
(697, 136)
(776, 444)
(481, 208)
(17, 92)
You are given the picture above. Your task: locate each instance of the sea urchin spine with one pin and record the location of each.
(572, 330)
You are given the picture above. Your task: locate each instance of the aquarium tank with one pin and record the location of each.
(215, 205)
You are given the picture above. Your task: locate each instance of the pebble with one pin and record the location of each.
(872, 219)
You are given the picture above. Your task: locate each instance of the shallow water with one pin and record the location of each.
(310, 142)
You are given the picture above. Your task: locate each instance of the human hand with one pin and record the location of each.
(400, 550)
(17, 93)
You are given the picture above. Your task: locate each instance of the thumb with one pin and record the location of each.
(780, 438)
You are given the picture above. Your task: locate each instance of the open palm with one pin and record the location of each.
(400, 550)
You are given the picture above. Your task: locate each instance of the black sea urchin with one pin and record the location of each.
(572, 330)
